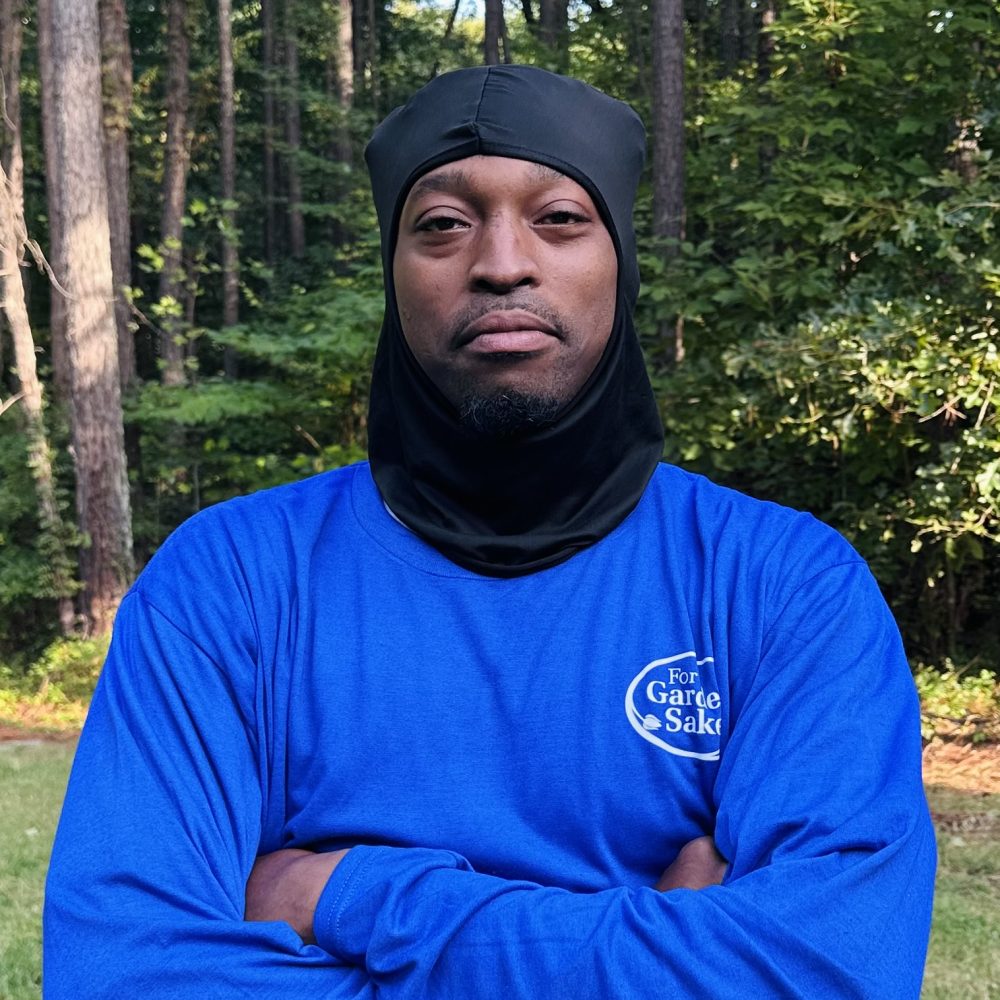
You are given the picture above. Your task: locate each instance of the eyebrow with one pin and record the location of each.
(457, 180)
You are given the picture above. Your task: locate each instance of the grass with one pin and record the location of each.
(964, 960)
(32, 781)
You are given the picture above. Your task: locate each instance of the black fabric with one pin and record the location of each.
(510, 506)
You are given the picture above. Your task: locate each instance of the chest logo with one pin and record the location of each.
(675, 704)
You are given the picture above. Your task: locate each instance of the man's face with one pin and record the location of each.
(505, 280)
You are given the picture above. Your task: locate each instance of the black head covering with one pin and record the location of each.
(513, 505)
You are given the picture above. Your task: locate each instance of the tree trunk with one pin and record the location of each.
(13, 238)
(765, 56)
(358, 14)
(765, 39)
(102, 498)
(668, 139)
(11, 37)
(729, 13)
(175, 168)
(552, 30)
(749, 31)
(371, 36)
(57, 301)
(491, 38)
(227, 157)
(339, 83)
(293, 136)
(116, 57)
(270, 190)
(345, 80)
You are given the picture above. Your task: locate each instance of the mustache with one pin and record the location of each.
(458, 333)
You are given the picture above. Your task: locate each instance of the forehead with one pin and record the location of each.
(482, 174)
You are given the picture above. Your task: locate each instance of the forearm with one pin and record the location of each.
(424, 925)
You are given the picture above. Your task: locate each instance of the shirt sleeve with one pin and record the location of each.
(819, 809)
(159, 831)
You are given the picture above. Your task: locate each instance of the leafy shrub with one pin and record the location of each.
(67, 670)
(956, 704)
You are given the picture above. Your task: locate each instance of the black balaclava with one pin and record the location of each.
(508, 506)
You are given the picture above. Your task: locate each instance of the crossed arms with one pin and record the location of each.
(825, 895)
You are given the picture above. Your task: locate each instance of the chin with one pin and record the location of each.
(507, 412)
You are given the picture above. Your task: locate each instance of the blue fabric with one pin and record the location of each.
(519, 760)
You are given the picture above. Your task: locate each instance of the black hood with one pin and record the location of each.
(513, 505)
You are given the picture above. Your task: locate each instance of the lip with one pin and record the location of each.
(507, 331)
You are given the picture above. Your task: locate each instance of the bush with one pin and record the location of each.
(956, 704)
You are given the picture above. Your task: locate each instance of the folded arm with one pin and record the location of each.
(819, 809)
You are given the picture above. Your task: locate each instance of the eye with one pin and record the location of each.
(440, 224)
(562, 217)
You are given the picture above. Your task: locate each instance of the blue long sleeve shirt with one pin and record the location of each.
(514, 763)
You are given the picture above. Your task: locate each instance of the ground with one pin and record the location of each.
(965, 767)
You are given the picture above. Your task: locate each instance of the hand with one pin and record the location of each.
(287, 884)
(699, 864)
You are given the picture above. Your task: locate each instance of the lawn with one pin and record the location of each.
(964, 962)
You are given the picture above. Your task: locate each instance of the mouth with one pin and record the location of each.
(513, 331)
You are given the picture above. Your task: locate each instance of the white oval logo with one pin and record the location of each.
(675, 700)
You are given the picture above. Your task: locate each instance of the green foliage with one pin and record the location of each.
(837, 282)
(299, 407)
(838, 289)
(28, 555)
(958, 704)
(67, 670)
(52, 693)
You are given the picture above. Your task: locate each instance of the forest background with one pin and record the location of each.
(192, 292)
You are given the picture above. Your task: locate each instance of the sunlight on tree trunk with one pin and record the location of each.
(98, 439)
(175, 169)
(116, 58)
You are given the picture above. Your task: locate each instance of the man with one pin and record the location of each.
(467, 702)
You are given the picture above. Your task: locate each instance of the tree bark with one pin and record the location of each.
(102, 498)
(358, 15)
(668, 138)
(116, 55)
(11, 38)
(766, 150)
(345, 79)
(491, 37)
(270, 187)
(293, 136)
(371, 36)
(57, 301)
(227, 157)
(175, 169)
(765, 39)
(13, 239)
(553, 19)
(729, 12)
(749, 31)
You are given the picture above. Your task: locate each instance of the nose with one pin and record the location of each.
(504, 259)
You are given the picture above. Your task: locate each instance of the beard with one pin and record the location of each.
(506, 413)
